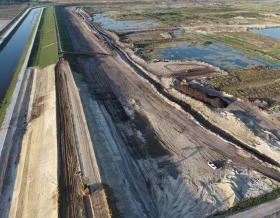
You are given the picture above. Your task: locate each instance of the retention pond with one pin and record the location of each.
(12, 50)
(216, 54)
(108, 23)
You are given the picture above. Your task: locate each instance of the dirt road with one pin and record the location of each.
(36, 189)
(159, 153)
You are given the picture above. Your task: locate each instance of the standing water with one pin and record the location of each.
(12, 51)
(216, 54)
(271, 32)
(111, 24)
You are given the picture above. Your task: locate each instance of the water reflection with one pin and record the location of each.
(10, 54)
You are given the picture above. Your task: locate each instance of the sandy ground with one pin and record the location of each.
(236, 125)
(36, 188)
(176, 184)
(190, 69)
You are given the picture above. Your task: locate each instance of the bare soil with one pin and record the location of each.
(177, 180)
(36, 186)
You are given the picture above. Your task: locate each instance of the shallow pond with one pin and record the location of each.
(111, 24)
(271, 32)
(12, 50)
(216, 54)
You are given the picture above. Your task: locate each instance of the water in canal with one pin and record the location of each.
(11, 52)
(111, 24)
(271, 32)
(216, 54)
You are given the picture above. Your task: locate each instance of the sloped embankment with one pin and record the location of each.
(35, 190)
(82, 192)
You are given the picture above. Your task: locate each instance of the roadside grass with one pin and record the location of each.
(9, 93)
(250, 202)
(45, 49)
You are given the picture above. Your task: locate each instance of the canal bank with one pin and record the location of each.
(11, 26)
(11, 53)
(11, 111)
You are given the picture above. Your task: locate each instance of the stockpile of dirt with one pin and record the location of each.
(70, 182)
(204, 97)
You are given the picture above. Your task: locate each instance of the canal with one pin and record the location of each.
(13, 49)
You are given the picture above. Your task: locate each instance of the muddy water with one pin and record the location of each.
(111, 24)
(216, 54)
(271, 32)
(12, 50)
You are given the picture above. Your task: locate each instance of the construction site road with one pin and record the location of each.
(169, 182)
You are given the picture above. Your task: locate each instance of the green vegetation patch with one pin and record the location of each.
(249, 43)
(253, 84)
(250, 202)
(46, 52)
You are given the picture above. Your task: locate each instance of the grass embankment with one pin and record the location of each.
(248, 203)
(45, 49)
(8, 96)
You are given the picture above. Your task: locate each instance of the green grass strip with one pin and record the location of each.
(46, 52)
